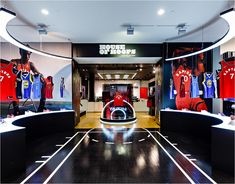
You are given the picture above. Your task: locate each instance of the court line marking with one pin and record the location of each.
(29, 176)
(39, 161)
(208, 177)
(61, 163)
(177, 165)
(45, 156)
(141, 140)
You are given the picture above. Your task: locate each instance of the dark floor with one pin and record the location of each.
(117, 156)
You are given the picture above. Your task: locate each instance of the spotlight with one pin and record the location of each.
(130, 30)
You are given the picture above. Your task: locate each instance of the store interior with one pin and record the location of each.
(122, 96)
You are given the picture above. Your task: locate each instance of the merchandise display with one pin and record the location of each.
(8, 73)
(210, 86)
(37, 86)
(49, 85)
(227, 79)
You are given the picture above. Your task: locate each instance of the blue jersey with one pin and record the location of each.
(37, 85)
(27, 84)
(172, 95)
(194, 87)
(209, 84)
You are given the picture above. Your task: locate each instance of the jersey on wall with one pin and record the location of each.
(194, 87)
(37, 85)
(27, 81)
(210, 87)
(227, 79)
(7, 81)
(49, 87)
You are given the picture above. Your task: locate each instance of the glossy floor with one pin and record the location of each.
(114, 155)
(92, 120)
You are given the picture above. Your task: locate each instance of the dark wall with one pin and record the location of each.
(76, 91)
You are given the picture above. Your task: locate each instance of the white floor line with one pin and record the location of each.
(175, 144)
(127, 142)
(141, 140)
(193, 159)
(208, 177)
(29, 176)
(61, 163)
(67, 137)
(187, 155)
(109, 142)
(94, 140)
(177, 165)
(45, 156)
(39, 161)
(59, 145)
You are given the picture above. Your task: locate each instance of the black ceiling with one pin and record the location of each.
(86, 70)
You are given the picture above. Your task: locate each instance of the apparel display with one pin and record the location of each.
(37, 85)
(27, 81)
(194, 87)
(210, 86)
(49, 87)
(62, 87)
(19, 94)
(7, 81)
(227, 79)
(172, 89)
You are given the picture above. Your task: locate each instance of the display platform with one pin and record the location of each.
(16, 132)
(118, 114)
(217, 130)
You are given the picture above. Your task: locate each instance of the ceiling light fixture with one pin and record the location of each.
(108, 76)
(44, 11)
(117, 76)
(134, 76)
(5, 17)
(125, 76)
(229, 17)
(100, 76)
(160, 11)
(130, 30)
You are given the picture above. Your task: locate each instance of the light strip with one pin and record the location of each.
(100, 76)
(125, 76)
(229, 17)
(134, 76)
(5, 17)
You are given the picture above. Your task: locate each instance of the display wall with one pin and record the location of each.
(47, 66)
(178, 93)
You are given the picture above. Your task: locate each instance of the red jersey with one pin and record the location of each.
(7, 81)
(227, 79)
(118, 100)
(49, 87)
(186, 75)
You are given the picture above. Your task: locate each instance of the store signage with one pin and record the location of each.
(115, 49)
(118, 108)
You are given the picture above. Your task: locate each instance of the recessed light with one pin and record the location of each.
(160, 11)
(44, 11)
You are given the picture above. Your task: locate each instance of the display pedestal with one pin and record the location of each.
(222, 149)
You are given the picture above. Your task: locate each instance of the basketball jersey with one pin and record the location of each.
(37, 85)
(62, 86)
(194, 87)
(27, 84)
(186, 74)
(49, 87)
(171, 89)
(7, 81)
(209, 84)
(19, 85)
(227, 79)
(118, 100)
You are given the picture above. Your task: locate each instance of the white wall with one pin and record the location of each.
(47, 66)
(136, 85)
(228, 46)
